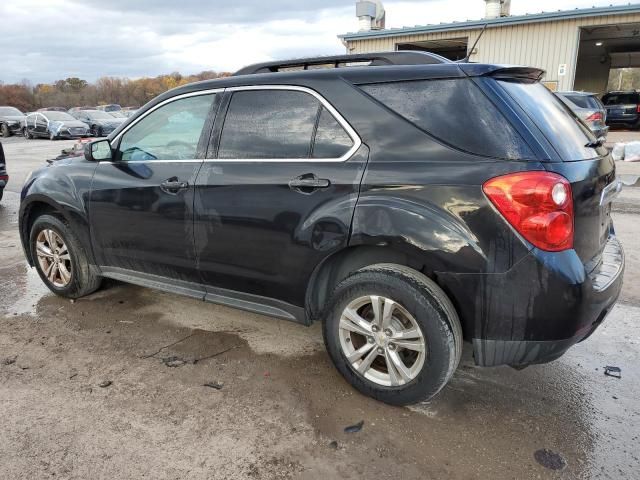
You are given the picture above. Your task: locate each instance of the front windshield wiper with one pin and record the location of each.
(596, 143)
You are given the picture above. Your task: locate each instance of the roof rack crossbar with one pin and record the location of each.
(407, 57)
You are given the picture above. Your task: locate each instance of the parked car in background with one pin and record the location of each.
(100, 123)
(11, 120)
(623, 108)
(75, 109)
(118, 114)
(54, 125)
(589, 108)
(113, 107)
(52, 109)
(4, 176)
(129, 111)
(407, 207)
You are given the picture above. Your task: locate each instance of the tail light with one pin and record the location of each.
(538, 205)
(4, 177)
(638, 109)
(597, 117)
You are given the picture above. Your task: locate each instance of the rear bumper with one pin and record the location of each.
(626, 120)
(552, 303)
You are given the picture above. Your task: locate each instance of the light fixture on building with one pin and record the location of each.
(599, 44)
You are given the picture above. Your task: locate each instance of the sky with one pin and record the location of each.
(46, 40)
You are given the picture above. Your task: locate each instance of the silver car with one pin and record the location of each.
(589, 108)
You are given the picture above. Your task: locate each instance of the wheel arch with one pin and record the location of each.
(341, 264)
(32, 209)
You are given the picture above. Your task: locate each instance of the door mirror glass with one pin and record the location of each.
(98, 151)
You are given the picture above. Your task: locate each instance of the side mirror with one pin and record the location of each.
(98, 151)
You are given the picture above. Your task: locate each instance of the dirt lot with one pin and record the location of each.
(282, 409)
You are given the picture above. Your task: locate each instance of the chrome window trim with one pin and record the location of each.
(357, 142)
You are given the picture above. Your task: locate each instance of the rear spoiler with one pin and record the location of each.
(503, 72)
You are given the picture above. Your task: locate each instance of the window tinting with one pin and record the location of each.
(171, 132)
(456, 112)
(584, 101)
(568, 135)
(621, 99)
(265, 124)
(332, 141)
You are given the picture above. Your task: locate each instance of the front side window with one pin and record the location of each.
(171, 132)
(268, 124)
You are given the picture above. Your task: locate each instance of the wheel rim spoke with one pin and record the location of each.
(357, 354)
(65, 274)
(415, 345)
(43, 250)
(368, 360)
(394, 376)
(355, 323)
(407, 334)
(399, 366)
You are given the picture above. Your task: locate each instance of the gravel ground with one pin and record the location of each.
(112, 386)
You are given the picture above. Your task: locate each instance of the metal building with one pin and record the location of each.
(576, 48)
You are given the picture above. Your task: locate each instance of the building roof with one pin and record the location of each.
(496, 22)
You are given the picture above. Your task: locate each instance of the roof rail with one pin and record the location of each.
(403, 57)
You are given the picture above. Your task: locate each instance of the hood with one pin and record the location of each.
(13, 118)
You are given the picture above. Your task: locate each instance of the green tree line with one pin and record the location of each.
(75, 92)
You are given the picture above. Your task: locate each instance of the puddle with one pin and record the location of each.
(22, 289)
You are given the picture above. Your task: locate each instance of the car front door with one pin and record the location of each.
(41, 126)
(141, 204)
(277, 193)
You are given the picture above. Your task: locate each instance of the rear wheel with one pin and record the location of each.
(393, 334)
(60, 260)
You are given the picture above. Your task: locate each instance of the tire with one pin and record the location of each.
(428, 308)
(4, 129)
(27, 134)
(52, 136)
(99, 132)
(83, 277)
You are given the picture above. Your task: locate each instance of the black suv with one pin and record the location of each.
(407, 202)
(623, 109)
(4, 176)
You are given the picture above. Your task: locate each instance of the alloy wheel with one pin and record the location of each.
(382, 341)
(54, 258)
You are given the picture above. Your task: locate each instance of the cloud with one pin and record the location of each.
(45, 40)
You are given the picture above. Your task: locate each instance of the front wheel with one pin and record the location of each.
(393, 334)
(60, 259)
(4, 129)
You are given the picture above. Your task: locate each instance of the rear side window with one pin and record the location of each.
(456, 112)
(332, 141)
(621, 99)
(562, 128)
(264, 124)
(584, 101)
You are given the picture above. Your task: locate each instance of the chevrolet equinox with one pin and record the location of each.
(407, 202)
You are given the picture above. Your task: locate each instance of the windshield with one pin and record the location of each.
(10, 112)
(58, 116)
(562, 128)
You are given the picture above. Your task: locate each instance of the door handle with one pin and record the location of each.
(173, 186)
(308, 183)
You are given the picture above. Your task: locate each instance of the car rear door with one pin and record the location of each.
(277, 192)
(141, 204)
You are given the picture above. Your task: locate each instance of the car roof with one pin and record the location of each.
(585, 94)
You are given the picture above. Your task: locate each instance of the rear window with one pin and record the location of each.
(455, 112)
(620, 99)
(562, 128)
(584, 101)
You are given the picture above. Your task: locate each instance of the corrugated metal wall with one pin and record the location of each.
(545, 45)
